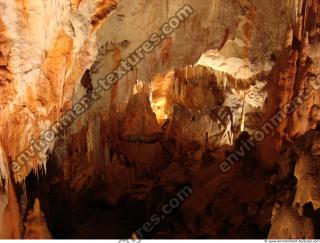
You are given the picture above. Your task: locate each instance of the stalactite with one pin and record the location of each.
(289, 37)
(243, 112)
(299, 28)
(305, 49)
(127, 142)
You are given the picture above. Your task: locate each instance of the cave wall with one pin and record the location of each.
(47, 47)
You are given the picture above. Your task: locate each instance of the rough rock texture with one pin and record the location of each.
(45, 49)
(36, 226)
(229, 68)
(290, 78)
(287, 224)
(292, 219)
(306, 170)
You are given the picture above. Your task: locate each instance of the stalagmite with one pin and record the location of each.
(35, 225)
(10, 219)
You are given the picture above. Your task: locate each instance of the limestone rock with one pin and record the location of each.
(36, 226)
(288, 224)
